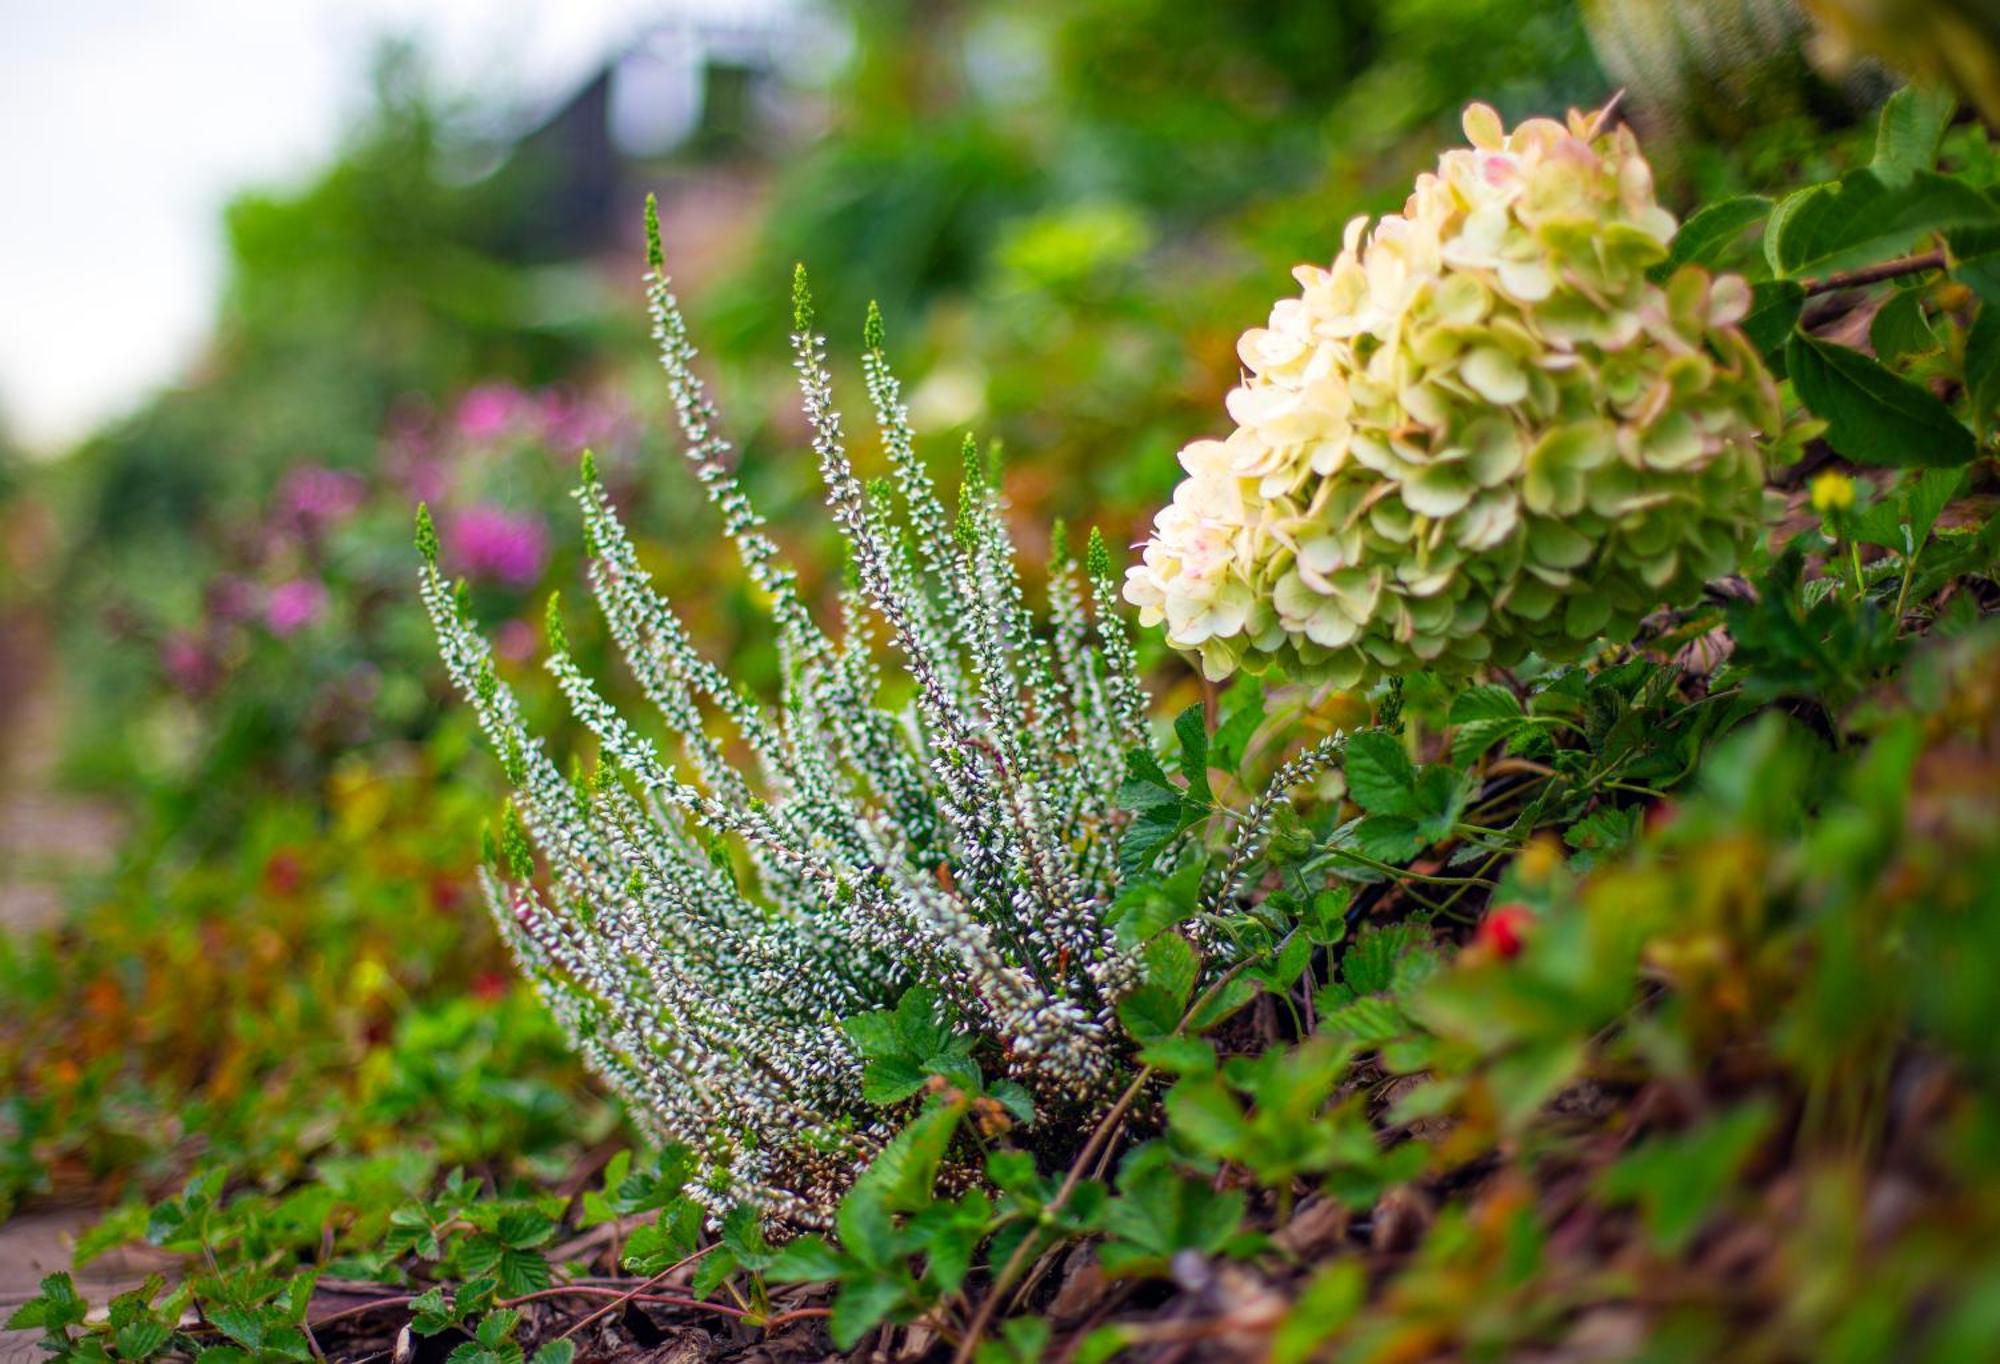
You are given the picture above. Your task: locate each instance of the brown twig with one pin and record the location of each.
(617, 1303)
(597, 1291)
(1875, 274)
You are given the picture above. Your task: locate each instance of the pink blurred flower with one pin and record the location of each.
(491, 543)
(230, 599)
(188, 665)
(313, 497)
(294, 605)
(487, 411)
(570, 422)
(515, 641)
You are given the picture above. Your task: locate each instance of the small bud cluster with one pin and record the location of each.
(963, 838)
(1485, 430)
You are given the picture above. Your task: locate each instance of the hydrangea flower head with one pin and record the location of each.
(1483, 431)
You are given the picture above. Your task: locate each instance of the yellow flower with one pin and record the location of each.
(1832, 493)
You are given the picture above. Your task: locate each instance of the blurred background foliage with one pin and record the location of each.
(1068, 209)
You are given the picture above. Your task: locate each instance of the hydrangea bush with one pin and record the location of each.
(1488, 429)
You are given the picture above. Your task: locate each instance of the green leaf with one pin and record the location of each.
(1371, 1019)
(1388, 838)
(1707, 235)
(809, 1259)
(1146, 783)
(1370, 964)
(143, 1339)
(1872, 416)
(1221, 1005)
(1924, 499)
(1379, 775)
(668, 1240)
(898, 1180)
(1861, 218)
(1103, 1345)
(1489, 702)
(1140, 844)
(1160, 1212)
(1900, 329)
(555, 1352)
(709, 1274)
(1242, 713)
(892, 1080)
(1181, 1056)
(1023, 1340)
(1679, 1181)
(1982, 367)
(496, 1326)
(1190, 727)
(1975, 258)
(1149, 1013)
(860, 1307)
(1146, 908)
(1171, 965)
(1775, 305)
(522, 1271)
(1328, 1302)
(523, 1228)
(243, 1325)
(1438, 799)
(1912, 124)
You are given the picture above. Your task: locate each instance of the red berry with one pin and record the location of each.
(1505, 929)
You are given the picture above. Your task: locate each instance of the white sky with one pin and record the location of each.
(126, 125)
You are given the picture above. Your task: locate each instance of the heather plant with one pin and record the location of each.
(959, 834)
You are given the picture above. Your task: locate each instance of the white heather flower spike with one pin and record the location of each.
(964, 839)
(1483, 431)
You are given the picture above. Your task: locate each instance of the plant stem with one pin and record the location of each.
(1875, 274)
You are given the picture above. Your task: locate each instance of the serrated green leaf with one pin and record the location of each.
(1140, 844)
(1149, 1013)
(522, 1271)
(1370, 1019)
(1489, 702)
(1379, 774)
(1873, 416)
(892, 1080)
(1171, 965)
(1388, 838)
(243, 1325)
(861, 1306)
(524, 1227)
(1191, 728)
(142, 1339)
